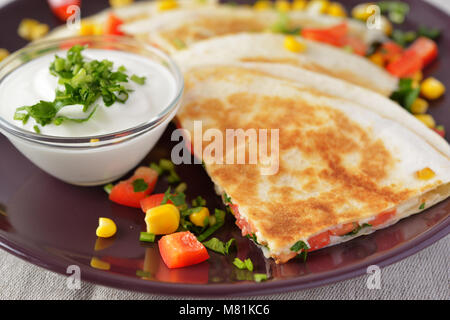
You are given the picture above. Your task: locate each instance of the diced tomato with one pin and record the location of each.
(153, 201)
(357, 45)
(181, 249)
(59, 7)
(344, 229)
(440, 131)
(390, 51)
(244, 225)
(112, 25)
(319, 241)
(408, 64)
(123, 193)
(426, 49)
(333, 35)
(382, 217)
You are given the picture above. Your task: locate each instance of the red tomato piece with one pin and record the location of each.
(333, 35)
(390, 51)
(382, 217)
(181, 249)
(319, 241)
(440, 131)
(153, 201)
(244, 225)
(408, 64)
(112, 25)
(123, 193)
(357, 45)
(425, 48)
(344, 229)
(59, 7)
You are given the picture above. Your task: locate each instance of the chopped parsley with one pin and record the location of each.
(218, 246)
(81, 83)
(226, 198)
(357, 229)
(422, 206)
(199, 202)
(108, 188)
(282, 25)
(302, 247)
(139, 185)
(242, 265)
(406, 94)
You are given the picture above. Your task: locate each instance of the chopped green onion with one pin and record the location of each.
(199, 202)
(259, 277)
(166, 165)
(138, 80)
(36, 129)
(143, 274)
(157, 168)
(181, 187)
(422, 206)
(108, 188)
(147, 237)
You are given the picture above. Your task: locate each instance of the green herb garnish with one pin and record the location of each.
(108, 188)
(396, 10)
(357, 229)
(219, 222)
(422, 206)
(81, 83)
(179, 44)
(147, 237)
(405, 95)
(138, 80)
(139, 185)
(157, 168)
(226, 198)
(199, 202)
(431, 33)
(218, 246)
(259, 277)
(246, 264)
(282, 25)
(302, 247)
(36, 129)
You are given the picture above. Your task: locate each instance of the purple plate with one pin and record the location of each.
(52, 224)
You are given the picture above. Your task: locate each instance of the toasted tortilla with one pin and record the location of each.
(189, 26)
(268, 47)
(346, 154)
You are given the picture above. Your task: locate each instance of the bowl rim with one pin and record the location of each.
(94, 140)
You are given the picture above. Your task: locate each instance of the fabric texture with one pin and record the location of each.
(424, 275)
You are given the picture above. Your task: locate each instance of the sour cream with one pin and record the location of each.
(33, 82)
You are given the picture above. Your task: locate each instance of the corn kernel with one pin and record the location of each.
(120, 3)
(425, 174)
(426, 119)
(336, 9)
(299, 4)
(377, 58)
(106, 228)
(432, 88)
(419, 106)
(282, 5)
(3, 53)
(262, 5)
(361, 11)
(317, 6)
(86, 29)
(99, 264)
(164, 5)
(31, 29)
(162, 219)
(198, 218)
(291, 44)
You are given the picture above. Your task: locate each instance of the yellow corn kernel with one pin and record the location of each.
(282, 5)
(198, 218)
(120, 3)
(317, 6)
(426, 119)
(291, 44)
(361, 11)
(336, 9)
(98, 29)
(31, 29)
(299, 4)
(377, 58)
(432, 88)
(106, 228)
(86, 29)
(99, 264)
(162, 219)
(3, 53)
(419, 106)
(164, 5)
(262, 5)
(425, 174)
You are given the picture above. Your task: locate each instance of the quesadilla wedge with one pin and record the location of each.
(269, 47)
(350, 161)
(187, 26)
